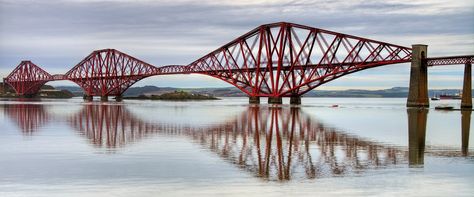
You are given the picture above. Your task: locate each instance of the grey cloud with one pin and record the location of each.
(176, 19)
(179, 32)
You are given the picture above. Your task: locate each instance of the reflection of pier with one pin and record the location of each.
(465, 124)
(417, 118)
(416, 135)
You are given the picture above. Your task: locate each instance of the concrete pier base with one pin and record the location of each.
(275, 100)
(295, 100)
(254, 100)
(87, 97)
(119, 98)
(27, 96)
(466, 102)
(418, 91)
(416, 136)
(104, 98)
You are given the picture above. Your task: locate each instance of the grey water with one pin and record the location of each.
(363, 147)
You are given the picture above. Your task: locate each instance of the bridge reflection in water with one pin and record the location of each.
(110, 125)
(28, 117)
(281, 143)
(274, 143)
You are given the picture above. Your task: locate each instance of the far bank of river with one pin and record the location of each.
(177, 95)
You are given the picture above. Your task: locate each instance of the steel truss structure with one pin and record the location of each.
(285, 59)
(269, 143)
(109, 72)
(441, 61)
(27, 78)
(273, 60)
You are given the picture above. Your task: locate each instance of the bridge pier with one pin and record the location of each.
(275, 100)
(466, 102)
(295, 100)
(27, 96)
(104, 98)
(254, 100)
(416, 135)
(87, 97)
(119, 98)
(418, 91)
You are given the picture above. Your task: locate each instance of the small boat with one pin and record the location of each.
(444, 108)
(335, 106)
(450, 96)
(434, 98)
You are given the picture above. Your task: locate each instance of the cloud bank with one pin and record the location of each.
(57, 34)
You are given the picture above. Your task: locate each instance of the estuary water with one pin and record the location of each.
(363, 147)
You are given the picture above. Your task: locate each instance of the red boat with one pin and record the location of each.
(449, 96)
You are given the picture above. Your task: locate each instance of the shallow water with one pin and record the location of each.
(227, 147)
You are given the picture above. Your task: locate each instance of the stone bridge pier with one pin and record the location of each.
(466, 101)
(418, 90)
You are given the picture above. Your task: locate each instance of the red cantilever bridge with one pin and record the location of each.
(273, 60)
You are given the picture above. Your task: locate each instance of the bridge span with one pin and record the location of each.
(273, 60)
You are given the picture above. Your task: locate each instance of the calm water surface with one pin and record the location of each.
(212, 148)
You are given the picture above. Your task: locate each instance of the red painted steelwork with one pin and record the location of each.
(442, 61)
(109, 72)
(274, 60)
(285, 59)
(27, 78)
(173, 69)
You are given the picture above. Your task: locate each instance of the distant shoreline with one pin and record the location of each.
(46, 91)
(395, 92)
(134, 93)
(174, 96)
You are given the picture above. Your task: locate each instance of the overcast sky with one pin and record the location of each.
(56, 35)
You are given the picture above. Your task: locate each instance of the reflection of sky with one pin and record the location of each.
(385, 120)
(186, 113)
(382, 120)
(60, 33)
(56, 160)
